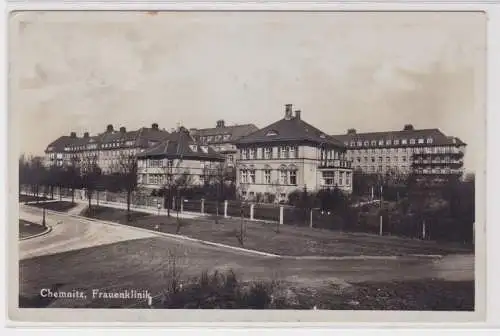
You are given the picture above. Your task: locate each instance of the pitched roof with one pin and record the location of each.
(235, 132)
(289, 130)
(438, 137)
(181, 144)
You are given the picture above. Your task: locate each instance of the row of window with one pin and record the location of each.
(282, 152)
(331, 155)
(389, 142)
(284, 177)
(214, 138)
(150, 163)
(336, 178)
(416, 150)
(403, 159)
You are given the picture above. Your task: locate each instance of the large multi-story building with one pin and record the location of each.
(222, 138)
(106, 149)
(419, 151)
(290, 154)
(178, 160)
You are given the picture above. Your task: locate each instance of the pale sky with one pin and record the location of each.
(369, 71)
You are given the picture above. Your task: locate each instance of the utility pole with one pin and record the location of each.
(44, 224)
(381, 231)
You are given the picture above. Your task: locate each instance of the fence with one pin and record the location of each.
(354, 219)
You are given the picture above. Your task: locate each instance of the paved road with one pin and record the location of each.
(88, 254)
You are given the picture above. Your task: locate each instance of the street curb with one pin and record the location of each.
(47, 231)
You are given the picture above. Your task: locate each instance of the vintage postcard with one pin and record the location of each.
(265, 166)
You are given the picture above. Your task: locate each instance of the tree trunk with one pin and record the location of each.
(52, 192)
(129, 192)
(89, 196)
(97, 197)
(73, 195)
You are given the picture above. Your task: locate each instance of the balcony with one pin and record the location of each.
(330, 164)
(454, 153)
(437, 163)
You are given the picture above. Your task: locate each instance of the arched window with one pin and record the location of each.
(292, 174)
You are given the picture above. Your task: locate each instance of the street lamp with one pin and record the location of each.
(159, 207)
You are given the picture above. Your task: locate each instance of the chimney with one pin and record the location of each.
(220, 123)
(154, 126)
(351, 131)
(297, 114)
(123, 129)
(408, 127)
(86, 135)
(109, 128)
(72, 135)
(288, 111)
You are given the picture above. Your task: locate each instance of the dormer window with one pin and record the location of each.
(360, 143)
(366, 143)
(353, 144)
(193, 148)
(322, 136)
(346, 143)
(226, 137)
(388, 142)
(429, 140)
(404, 142)
(420, 141)
(412, 141)
(396, 142)
(204, 149)
(381, 142)
(374, 143)
(271, 133)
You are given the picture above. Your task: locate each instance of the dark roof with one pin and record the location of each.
(289, 130)
(180, 144)
(438, 138)
(235, 132)
(143, 137)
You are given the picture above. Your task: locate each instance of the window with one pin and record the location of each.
(381, 142)
(252, 176)
(230, 158)
(271, 133)
(379, 159)
(366, 143)
(293, 152)
(412, 141)
(293, 177)
(374, 143)
(268, 151)
(348, 178)
(267, 176)
(226, 137)
(341, 178)
(359, 159)
(243, 176)
(373, 159)
(420, 141)
(396, 142)
(328, 178)
(366, 158)
(388, 159)
(283, 177)
(353, 143)
(253, 153)
(429, 140)
(404, 142)
(360, 144)
(244, 194)
(284, 152)
(388, 142)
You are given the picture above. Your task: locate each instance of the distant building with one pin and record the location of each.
(419, 151)
(222, 138)
(105, 148)
(178, 157)
(290, 154)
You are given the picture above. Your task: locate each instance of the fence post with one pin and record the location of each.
(381, 230)
(182, 204)
(311, 218)
(423, 230)
(225, 208)
(281, 214)
(202, 205)
(251, 210)
(173, 203)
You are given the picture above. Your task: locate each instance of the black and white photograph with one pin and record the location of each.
(247, 160)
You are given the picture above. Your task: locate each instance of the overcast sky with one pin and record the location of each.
(369, 71)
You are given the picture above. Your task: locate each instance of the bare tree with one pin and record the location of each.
(91, 175)
(276, 189)
(127, 170)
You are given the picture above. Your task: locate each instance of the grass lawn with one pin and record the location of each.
(27, 229)
(146, 264)
(30, 198)
(61, 206)
(291, 240)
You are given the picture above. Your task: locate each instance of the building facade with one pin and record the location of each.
(106, 149)
(178, 160)
(419, 151)
(222, 138)
(287, 155)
